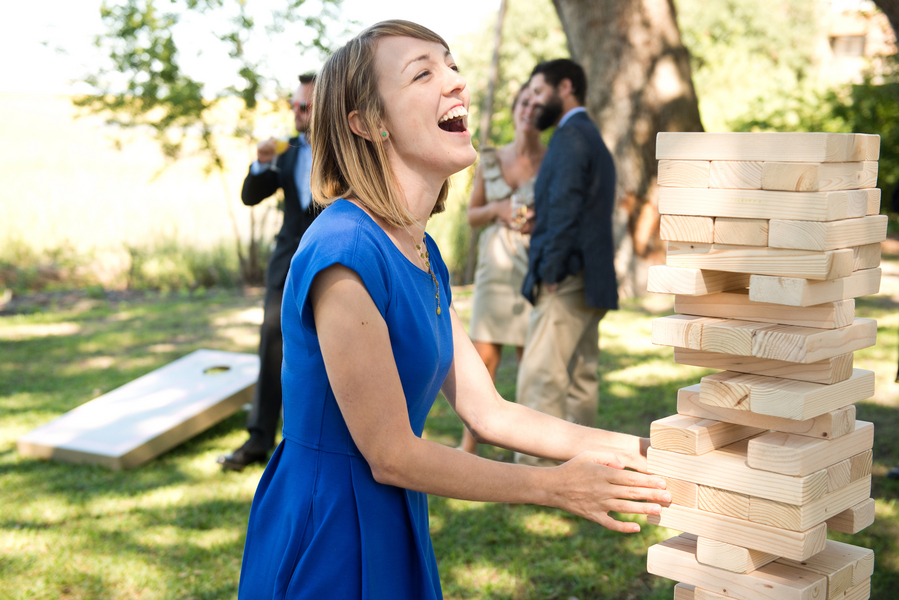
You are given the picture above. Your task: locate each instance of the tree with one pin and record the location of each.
(639, 84)
(891, 9)
(144, 85)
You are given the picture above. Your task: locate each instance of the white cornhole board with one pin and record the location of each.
(150, 415)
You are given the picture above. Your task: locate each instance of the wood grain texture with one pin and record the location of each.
(663, 279)
(811, 235)
(827, 426)
(684, 173)
(723, 502)
(779, 262)
(763, 146)
(740, 232)
(828, 371)
(729, 557)
(873, 201)
(795, 291)
(791, 454)
(737, 305)
(689, 435)
(854, 519)
(811, 177)
(679, 228)
(675, 559)
(763, 204)
(871, 146)
(844, 565)
(685, 493)
(785, 398)
(802, 517)
(735, 175)
(680, 331)
(867, 176)
(866, 256)
(764, 538)
(726, 469)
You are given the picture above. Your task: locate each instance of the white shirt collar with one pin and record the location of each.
(569, 114)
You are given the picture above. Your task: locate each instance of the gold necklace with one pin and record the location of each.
(426, 257)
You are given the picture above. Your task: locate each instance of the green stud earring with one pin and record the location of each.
(384, 134)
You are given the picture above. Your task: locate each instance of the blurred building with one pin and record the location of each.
(856, 37)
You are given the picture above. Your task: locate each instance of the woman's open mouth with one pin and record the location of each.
(454, 120)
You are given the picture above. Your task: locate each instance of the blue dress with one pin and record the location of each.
(320, 525)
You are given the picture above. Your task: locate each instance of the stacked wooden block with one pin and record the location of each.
(771, 237)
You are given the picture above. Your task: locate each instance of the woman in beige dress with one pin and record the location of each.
(499, 313)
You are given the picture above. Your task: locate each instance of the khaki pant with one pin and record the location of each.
(558, 372)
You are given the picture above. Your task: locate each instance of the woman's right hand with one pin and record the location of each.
(592, 484)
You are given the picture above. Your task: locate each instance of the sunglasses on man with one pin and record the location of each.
(301, 104)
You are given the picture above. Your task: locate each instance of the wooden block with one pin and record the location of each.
(866, 256)
(873, 201)
(780, 262)
(726, 469)
(741, 232)
(678, 228)
(723, 502)
(682, 591)
(867, 175)
(683, 492)
(737, 305)
(701, 594)
(795, 291)
(795, 517)
(763, 204)
(792, 454)
(682, 331)
(735, 175)
(142, 419)
(811, 235)
(827, 371)
(829, 425)
(861, 465)
(871, 145)
(861, 591)
(763, 146)
(735, 559)
(663, 279)
(767, 340)
(854, 519)
(684, 173)
(839, 475)
(689, 435)
(811, 177)
(764, 538)
(788, 399)
(844, 565)
(675, 558)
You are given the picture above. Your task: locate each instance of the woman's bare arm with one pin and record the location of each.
(370, 396)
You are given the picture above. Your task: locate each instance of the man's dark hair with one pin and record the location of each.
(554, 71)
(306, 78)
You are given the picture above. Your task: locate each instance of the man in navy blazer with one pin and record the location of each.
(571, 274)
(290, 172)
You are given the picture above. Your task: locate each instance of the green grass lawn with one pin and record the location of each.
(174, 528)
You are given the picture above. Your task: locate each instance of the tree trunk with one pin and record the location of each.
(891, 9)
(639, 83)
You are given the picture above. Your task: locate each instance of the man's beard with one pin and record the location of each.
(549, 113)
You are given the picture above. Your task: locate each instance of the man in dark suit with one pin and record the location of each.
(571, 274)
(290, 172)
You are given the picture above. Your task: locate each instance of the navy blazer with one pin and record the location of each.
(574, 197)
(257, 188)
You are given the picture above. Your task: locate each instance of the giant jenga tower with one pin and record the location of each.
(771, 237)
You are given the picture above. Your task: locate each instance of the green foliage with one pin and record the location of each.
(23, 269)
(531, 33)
(169, 266)
(145, 85)
(747, 51)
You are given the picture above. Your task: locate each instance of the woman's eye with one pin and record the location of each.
(421, 75)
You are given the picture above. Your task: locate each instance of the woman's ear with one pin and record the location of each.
(357, 125)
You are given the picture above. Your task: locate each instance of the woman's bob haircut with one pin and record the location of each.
(343, 163)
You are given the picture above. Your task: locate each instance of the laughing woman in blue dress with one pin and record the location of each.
(371, 337)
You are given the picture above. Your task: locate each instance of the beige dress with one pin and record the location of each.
(499, 313)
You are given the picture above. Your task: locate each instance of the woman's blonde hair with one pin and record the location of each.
(343, 163)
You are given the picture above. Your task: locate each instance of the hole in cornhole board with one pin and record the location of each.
(152, 414)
